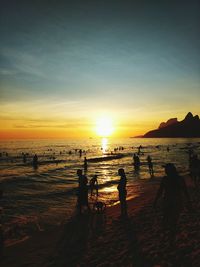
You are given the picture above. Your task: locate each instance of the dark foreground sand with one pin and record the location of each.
(106, 240)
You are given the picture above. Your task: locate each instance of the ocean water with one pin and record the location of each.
(35, 199)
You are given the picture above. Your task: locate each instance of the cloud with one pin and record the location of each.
(53, 124)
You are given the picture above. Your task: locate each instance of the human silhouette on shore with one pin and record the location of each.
(136, 162)
(150, 165)
(35, 161)
(195, 169)
(82, 191)
(172, 187)
(94, 185)
(80, 152)
(85, 165)
(122, 192)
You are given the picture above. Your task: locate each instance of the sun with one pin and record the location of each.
(104, 127)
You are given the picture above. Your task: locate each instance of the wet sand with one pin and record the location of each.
(107, 240)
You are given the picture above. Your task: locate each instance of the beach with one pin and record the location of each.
(105, 239)
(45, 197)
(99, 125)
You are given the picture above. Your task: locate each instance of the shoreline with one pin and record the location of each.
(104, 239)
(44, 241)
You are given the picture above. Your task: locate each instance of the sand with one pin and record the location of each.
(105, 239)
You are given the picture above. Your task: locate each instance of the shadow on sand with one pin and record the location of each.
(72, 246)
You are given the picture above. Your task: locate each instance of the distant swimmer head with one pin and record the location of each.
(170, 169)
(79, 172)
(121, 172)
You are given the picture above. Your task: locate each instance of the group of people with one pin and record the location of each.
(137, 163)
(172, 188)
(93, 184)
(83, 189)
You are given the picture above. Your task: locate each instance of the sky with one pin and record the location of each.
(64, 64)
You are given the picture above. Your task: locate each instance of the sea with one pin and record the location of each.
(36, 199)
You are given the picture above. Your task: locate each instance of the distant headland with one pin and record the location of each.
(187, 128)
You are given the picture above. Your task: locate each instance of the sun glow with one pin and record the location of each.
(104, 127)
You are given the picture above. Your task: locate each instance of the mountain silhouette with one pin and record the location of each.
(169, 122)
(189, 127)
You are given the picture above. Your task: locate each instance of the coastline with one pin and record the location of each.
(107, 240)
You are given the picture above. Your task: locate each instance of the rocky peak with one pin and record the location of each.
(189, 127)
(169, 122)
(188, 117)
(196, 118)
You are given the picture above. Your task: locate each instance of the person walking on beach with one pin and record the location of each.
(122, 192)
(82, 191)
(172, 187)
(94, 185)
(150, 165)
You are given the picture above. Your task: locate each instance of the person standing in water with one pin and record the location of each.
(172, 187)
(85, 165)
(136, 162)
(24, 158)
(150, 165)
(94, 185)
(82, 191)
(35, 161)
(122, 192)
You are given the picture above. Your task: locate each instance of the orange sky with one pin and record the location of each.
(55, 120)
(65, 65)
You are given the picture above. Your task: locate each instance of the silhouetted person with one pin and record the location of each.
(167, 149)
(82, 191)
(80, 152)
(94, 185)
(85, 165)
(35, 161)
(136, 162)
(172, 187)
(150, 165)
(195, 169)
(24, 158)
(122, 192)
(139, 149)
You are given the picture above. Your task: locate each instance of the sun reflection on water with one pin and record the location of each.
(110, 189)
(104, 145)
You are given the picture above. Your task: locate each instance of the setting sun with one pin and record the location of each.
(104, 127)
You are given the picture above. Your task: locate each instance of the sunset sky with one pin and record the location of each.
(65, 64)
